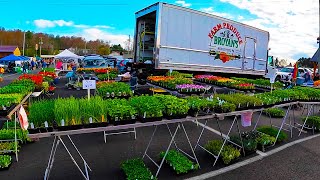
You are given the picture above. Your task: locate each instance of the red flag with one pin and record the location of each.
(295, 71)
(22, 115)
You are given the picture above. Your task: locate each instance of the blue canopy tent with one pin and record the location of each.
(12, 57)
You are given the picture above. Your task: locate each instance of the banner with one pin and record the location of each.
(22, 115)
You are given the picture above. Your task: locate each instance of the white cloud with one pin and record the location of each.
(183, 3)
(293, 24)
(43, 23)
(210, 10)
(95, 33)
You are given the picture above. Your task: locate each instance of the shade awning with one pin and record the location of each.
(12, 57)
(316, 56)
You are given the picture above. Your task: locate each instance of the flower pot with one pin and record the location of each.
(95, 125)
(33, 131)
(44, 130)
(7, 110)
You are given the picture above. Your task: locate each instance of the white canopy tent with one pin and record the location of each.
(67, 57)
(66, 54)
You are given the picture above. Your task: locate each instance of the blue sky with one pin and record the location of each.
(114, 20)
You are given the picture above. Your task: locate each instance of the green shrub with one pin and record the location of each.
(228, 153)
(273, 132)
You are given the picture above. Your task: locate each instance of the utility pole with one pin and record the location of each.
(24, 42)
(40, 43)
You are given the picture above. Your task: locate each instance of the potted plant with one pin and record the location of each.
(5, 162)
(41, 116)
(228, 154)
(273, 132)
(93, 112)
(174, 108)
(149, 108)
(274, 112)
(120, 112)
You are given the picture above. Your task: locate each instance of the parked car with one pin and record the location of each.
(285, 74)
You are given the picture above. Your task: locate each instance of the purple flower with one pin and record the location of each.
(189, 86)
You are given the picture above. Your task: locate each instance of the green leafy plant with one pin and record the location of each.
(5, 161)
(228, 153)
(273, 132)
(104, 77)
(41, 111)
(10, 125)
(67, 109)
(240, 100)
(249, 144)
(147, 106)
(113, 89)
(265, 139)
(9, 134)
(136, 169)
(173, 105)
(7, 147)
(121, 109)
(48, 70)
(312, 121)
(94, 108)
(274, 112)
(179, 162)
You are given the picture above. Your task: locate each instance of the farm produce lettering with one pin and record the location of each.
(225, 42)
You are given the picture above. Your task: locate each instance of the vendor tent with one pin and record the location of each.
(66, 54)
(316, 56)
(12, 57)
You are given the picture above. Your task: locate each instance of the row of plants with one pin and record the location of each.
(8, 147)
(48, 70)
(9, 134)
(274, 112)
(179, 74)
(13, 93)
(312, 122)
(263, 83)
(227, 82)
(190, 88)
(228, 154)
(254, 140)
(179, 162)
(241, 101)
(202, 106)
(113, 89)
(97, 70)
(136, 169)
(290, 95)
(169, 82)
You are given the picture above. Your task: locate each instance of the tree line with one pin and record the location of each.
(52, 44)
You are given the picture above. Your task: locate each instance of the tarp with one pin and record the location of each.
(66, 54)
(316, 56)
(12, 57)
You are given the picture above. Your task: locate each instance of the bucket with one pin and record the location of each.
(246, 119)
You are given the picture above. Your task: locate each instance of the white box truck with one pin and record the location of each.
(178, 38)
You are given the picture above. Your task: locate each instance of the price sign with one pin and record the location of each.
(89, 84)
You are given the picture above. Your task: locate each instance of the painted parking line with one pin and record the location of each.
(259, 157)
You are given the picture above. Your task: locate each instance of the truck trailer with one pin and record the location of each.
(170, 37)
